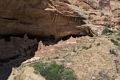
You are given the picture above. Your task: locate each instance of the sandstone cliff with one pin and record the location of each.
(44, 18)
(56, 19)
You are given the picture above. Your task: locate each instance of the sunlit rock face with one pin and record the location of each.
(44, 18)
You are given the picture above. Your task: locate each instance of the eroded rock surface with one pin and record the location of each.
(57, 18)
(44, 18)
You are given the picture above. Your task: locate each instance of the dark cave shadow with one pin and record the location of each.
(52, 41)
(6, 65)
(5, 72)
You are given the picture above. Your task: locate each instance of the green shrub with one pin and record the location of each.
(67, 74)
(54, 71)
(107, 32)
(114, 42)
